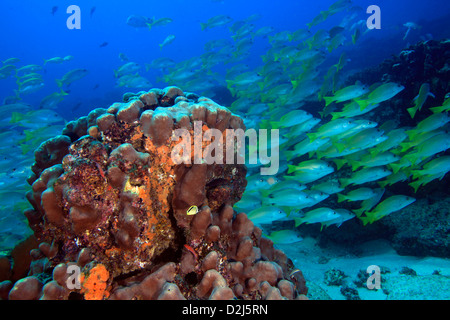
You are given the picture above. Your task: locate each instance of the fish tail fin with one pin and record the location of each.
(28, 135)
(265, 194)
(230, 83)
(45, 61)
(341, 197)
(319, 155)
(339, 163)
(335, 115)
(26, 148)
(149, 25)
(298, 221)
(328, 100)
(365, 220)
(415, 185)
(383, 184)
(412, 157)
(59, 83)
(312, 136)
(355, 164)
(292, 168)
(412, 134)
(344, 182)
(405, 146)
(412, 111)
(16, 117)
(264, 124)
(204, 26)
(362, 104)
(415, 174)
(340, 146)
(437, 109)
(394, 167)
(358, 212)
(275, 124)
(289, 155)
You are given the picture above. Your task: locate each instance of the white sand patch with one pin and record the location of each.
(314, 261)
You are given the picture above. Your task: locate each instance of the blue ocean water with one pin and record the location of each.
(35, 31)
(32, 33)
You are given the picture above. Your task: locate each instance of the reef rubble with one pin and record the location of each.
(110, 212)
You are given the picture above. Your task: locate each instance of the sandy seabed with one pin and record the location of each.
(431, 282)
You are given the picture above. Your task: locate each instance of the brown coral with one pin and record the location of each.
(112, 201)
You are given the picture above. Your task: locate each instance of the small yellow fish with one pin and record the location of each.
(193, 210)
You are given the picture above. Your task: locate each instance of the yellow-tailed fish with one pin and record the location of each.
(371, 160)
(420, 99)
(429, 148)
(313, 165)
(436, 166)
(365, 175)
(287, 236)
(352, 109)
(393, 178)
(380, 94)
(329, 187)
(168, 40)
(291, 119)
(356, 195)
(423, 180)
(332, 128)
(444, 108)
(266, 215)
(319, 215)
(71, 76)
(394, 138)
(304, 147)
(347, 93)
(343, 215)
(388, 206)
(362, 140)
(435, 121)
(287, 198)
(368, 204)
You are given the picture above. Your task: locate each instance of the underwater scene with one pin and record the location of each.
(225, 150)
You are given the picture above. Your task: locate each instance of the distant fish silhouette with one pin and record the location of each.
(76, 107)
(104, 44)
(54, 9)
(96, 86)
(92, 11)
(123, 57)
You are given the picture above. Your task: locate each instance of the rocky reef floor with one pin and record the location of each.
(335, 272)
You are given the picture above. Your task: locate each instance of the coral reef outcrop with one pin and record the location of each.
(110, 203)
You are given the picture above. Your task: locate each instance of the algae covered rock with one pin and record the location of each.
(113, 204)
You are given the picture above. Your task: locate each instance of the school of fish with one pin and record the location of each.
(314, 148)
